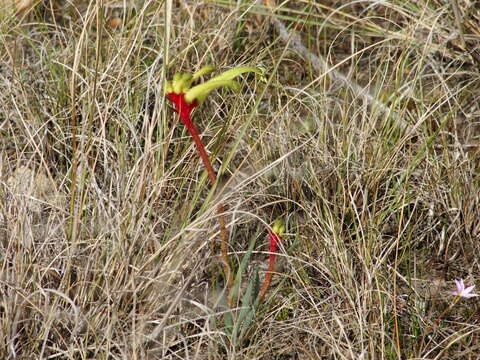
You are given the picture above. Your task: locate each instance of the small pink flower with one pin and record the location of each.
(462, 291)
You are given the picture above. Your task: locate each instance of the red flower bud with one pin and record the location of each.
(274, 237)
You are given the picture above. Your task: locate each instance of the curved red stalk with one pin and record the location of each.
(185, 109)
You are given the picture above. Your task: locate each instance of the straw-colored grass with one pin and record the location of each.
(364, 138)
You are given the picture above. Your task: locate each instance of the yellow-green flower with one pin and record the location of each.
(182, 83)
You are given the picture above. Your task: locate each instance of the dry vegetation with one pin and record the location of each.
(365, 139)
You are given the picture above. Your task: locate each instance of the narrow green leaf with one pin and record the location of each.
(253, 309)
(228, 321)
(242, 267)
(246, 301)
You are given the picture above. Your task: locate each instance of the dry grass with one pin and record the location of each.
(365, 139)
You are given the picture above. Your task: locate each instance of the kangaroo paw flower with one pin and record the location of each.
(185, 98)
(181, 85)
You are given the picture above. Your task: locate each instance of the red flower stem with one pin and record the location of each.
(201, 150)
(185, 118)
(274, 239)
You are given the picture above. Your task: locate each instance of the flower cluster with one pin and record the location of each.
(186, 98)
